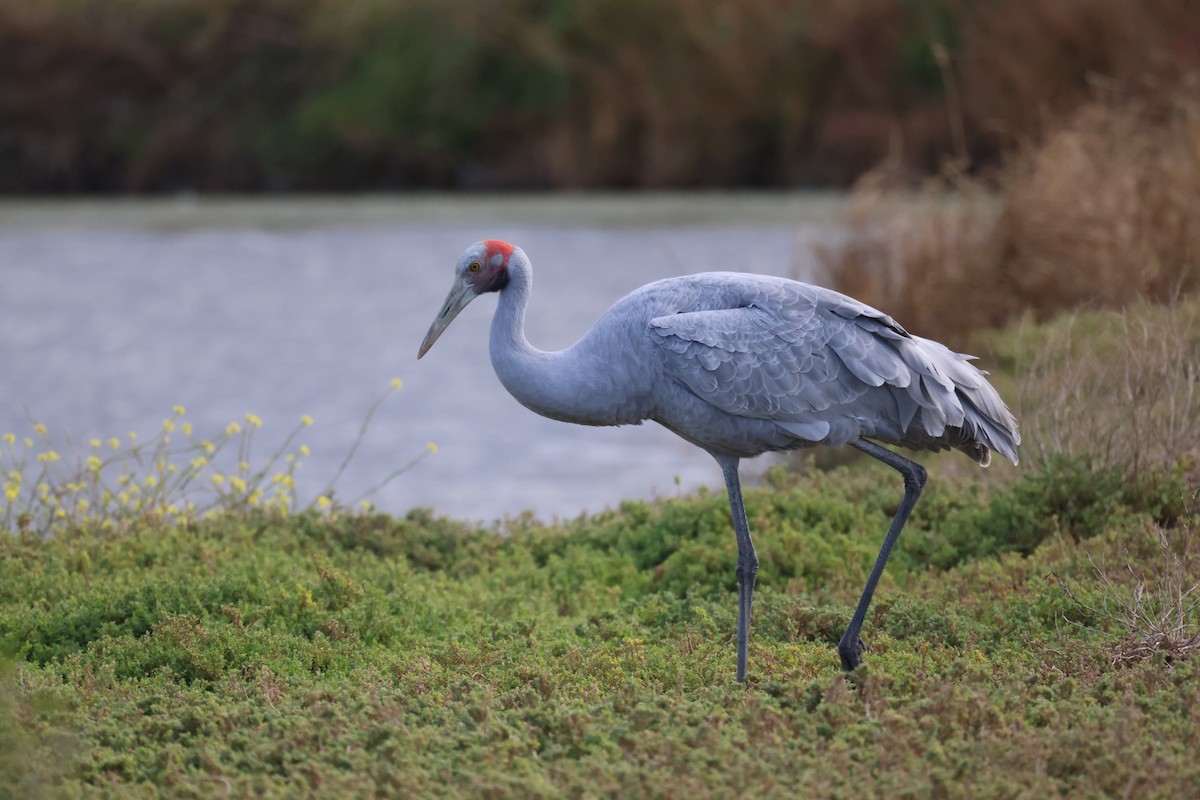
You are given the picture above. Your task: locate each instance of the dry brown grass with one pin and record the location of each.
(1119, 390)
(931, 260)
(1152, 600)
(1025, 64)
(1106, 210)
(1102, 213)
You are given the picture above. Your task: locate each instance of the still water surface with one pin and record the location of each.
(111, 312)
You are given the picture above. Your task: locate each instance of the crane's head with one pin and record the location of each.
(483, 267)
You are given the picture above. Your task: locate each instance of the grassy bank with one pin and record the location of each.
(1099, 213)
(235, 95)
(1034, 636)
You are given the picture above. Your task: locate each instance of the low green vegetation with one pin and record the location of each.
(1034, 636)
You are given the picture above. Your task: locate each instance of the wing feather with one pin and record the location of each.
(825, 367)
(772, 362)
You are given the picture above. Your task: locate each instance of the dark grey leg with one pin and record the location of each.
(747, 563)
(850, 648)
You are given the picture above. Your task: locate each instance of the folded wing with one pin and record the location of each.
(828, 368)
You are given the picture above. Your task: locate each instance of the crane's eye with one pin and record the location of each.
(474, 266)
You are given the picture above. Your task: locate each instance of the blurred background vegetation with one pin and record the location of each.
(302, 95)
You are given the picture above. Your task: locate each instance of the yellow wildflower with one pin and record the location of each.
(244, 466)
(11, 490)
(28, 442)
(168, 425)
(10, 438)
(81, 505)
(253, 420)
(114, 443)
(324, 502)
(172, 509)
(186, 428)
(39, 429)
(431, 447)
(366, 505)
(237, 483)
(199, 462)
(151, 481)
(306, 420)
(218, 479)
(123, 498)
(95, 443)
(94, 463)
(208, 447)
(133, 436)
(122, 479)
(178, 410)
(49, 457)
(232, 428)
(304, 451)
(397, 383)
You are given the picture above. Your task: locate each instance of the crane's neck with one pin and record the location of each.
(578, 384)
(509, 347)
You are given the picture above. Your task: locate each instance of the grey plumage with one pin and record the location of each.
(739, 365)
(823, 367)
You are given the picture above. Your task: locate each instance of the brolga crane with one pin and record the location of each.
(740, 365)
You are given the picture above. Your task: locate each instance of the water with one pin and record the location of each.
(112, 312)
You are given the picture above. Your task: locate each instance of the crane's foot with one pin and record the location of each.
(851, 654)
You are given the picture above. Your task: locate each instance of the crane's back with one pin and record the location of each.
(751, 363)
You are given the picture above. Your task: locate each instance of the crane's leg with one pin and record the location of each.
(850, 648)
(747, 563)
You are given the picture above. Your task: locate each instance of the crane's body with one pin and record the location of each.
(739, 365)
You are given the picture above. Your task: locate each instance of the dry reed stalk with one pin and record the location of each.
(930, 259)
(1122, 391)
(1105, 211)
(1027, 64)
(1102, 213)
(1153, 599)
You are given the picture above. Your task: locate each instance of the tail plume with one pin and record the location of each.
(985, 423)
